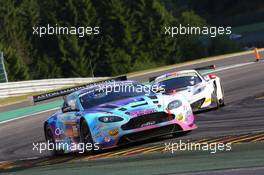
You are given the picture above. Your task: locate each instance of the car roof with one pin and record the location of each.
(102, 86)
(172, 74)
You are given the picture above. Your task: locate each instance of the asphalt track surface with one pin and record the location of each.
(243, 113)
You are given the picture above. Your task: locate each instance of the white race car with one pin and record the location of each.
(202, 91)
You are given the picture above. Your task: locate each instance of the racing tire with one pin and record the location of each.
(85, 136)
(50, 138)
(216, 101)
(222, 101)
(180, 134)
(219, 102)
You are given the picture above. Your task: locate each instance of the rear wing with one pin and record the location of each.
(66, 91)
(205, 69)
(152, 79)
(202, 70)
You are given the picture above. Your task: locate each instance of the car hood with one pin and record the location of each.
(187, 92)
(133, 106)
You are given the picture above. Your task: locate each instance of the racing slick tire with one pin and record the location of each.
(222, 101)
(180, 134)
(85, 136)
(219, 102)
(50, 138)
(215, 101)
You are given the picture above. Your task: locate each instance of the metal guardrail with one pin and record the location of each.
(12, 89)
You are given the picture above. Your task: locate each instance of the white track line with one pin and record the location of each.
(233, 66)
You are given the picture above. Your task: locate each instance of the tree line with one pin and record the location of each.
(131, 38)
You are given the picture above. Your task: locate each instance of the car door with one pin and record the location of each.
(70, 116)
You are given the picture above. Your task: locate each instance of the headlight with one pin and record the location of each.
(200, 89)
(174, 104)
(109, 119)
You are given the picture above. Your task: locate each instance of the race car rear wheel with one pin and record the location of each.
(85, 136)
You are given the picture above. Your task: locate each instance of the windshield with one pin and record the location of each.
(180, 82)
(113, 92)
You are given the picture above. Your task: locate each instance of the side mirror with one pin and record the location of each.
(68, 109)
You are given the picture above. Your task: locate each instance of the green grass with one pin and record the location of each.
(249, 28)
(196, 61)
(10, 100)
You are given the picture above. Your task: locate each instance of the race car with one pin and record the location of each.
(116, 113)
(202, 92)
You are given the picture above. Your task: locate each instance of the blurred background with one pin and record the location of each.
(131, 35)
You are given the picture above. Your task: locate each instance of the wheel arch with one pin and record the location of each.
(219, 88)
(45, 126)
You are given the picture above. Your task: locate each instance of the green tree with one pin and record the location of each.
(191, 46)
(16, 68)
(222, 45)
(14, 39)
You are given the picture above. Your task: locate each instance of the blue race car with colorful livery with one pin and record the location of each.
(115, 113)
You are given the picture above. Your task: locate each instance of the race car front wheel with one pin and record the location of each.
(222, 101)
(219, 102)
(180, 134)
(85, 136)
(50, 139)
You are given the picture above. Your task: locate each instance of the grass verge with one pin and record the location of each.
(249, 28)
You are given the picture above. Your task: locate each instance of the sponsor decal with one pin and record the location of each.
(107, 139)
(97, 127)
(114, 132)
(208, 100)
(180, 117)
(98, 135)
(148, 123)
(143, 112)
